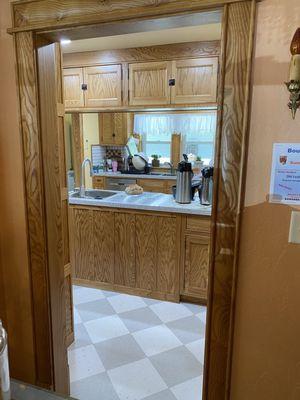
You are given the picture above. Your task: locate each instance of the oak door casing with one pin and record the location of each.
(149, 83)
(73, 93)
(195, 81)
(104, 86)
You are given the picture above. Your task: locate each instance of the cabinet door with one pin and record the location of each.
(125, 265)
(98, 182)
(149, 83)
(113, 129)
(104, 86)
(73, 93)
(195, 81)
(196, 266)
(103, 237)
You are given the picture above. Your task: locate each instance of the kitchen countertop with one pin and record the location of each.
(146, 201)
(135, 176)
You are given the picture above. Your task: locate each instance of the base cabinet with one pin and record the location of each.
(158, 255)
(137, 253)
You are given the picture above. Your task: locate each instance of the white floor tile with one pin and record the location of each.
(123, 303)
(77, 317)
(136, 381)
(168, 312)
(189, 390)
(197, 348)
(105, 328)
(84, 362)
(85, 295)
(202, 317)
(156, 340)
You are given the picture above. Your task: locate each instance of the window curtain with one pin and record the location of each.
(200, 127)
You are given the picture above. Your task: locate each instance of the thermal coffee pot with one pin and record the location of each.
(184, 181)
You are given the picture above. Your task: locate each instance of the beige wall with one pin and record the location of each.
(13, 238)
(267, 350)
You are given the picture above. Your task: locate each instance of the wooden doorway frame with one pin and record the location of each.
(56, 18)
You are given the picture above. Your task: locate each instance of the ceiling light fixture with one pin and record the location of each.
(64, 42)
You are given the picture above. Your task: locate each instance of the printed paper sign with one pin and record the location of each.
(285, 179)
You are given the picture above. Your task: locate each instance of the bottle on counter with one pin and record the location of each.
(4, 368)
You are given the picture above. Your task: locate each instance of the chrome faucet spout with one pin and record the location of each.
(82, 178)
(171, 167)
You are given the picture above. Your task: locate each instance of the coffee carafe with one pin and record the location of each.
(184, 181)
(206, 190)
(4, 369)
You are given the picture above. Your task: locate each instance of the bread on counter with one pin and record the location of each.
(134, 189)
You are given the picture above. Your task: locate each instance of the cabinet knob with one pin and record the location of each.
(113, 135)
(172, 82)
(84, 86)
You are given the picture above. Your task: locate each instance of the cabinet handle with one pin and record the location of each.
(113, 135)
(84, 86)
(172, 82)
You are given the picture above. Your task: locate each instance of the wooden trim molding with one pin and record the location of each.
(41, 15)
(35, 16)
(143, 54)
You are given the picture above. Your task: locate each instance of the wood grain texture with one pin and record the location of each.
(77, 145)
(53, 151)
(168, 255)
(142, 54)
(149, 83)
(83, 244)
(146, 251)
(113, 129)
(104, 86)
(73, 93)
(103, 239)
(54, 14)
(34, 187)
(239, 20)
(196, 267)
(196, 81)
(125, 242)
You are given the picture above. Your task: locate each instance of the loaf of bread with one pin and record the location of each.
(134, 189)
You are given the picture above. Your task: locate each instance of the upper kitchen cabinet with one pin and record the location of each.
(93, 87)
(195, 81)
(113, 129)
(149, 83)
(104, 86)
(73, 93)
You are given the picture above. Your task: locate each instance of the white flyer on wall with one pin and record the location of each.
(285, 178)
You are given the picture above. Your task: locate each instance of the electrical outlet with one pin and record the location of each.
(295, 228)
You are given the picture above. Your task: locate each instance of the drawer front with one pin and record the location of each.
(199, 225)
(152, 185)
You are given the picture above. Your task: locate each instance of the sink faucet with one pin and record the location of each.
(82, 178)
(171, 167)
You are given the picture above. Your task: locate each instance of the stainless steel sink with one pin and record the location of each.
(95, 194)
(161, 174)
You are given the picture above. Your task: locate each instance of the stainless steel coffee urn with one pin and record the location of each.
(184, 182)
(206, 189)
(4, 369)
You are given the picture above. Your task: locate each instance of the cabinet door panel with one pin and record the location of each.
(146, 251)
(196, 81)
(149, 83)
(125, 266)
(168, 256)
(83, 241)
(196, 266)
(73, 93)
(152, 185)
(113, 129)
(104, 86)
(103, 246)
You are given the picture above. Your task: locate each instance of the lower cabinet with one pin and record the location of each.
(133, 252)
(159, 255)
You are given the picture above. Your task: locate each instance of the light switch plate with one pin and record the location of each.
(295, 228)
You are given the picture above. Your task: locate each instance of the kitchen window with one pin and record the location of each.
(197, 131)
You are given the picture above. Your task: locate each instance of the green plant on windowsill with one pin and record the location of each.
(155, 160)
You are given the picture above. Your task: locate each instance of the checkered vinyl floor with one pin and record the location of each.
(133, 348)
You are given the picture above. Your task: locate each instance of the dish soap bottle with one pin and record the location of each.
(4, 369)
